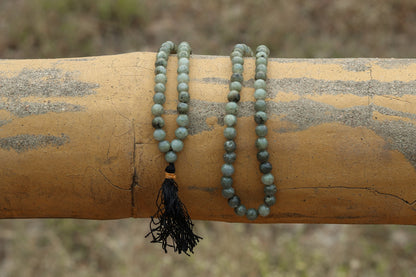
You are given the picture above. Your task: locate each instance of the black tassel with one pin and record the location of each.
(172, 219)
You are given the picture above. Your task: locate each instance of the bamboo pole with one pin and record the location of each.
(76, 139)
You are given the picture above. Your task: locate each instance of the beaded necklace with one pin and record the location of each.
(230, 120)
(171, 225)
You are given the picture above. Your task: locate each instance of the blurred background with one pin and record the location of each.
(299, 29)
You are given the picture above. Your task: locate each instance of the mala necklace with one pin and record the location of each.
(171, 221)
(230, 120)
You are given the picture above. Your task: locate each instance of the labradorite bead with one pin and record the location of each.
(182, 108)
(241, 47)
(182, 120)
(184, 96)
(160, 70)
(231, 108)
(260, 117)
(230, 146)
(261, 60)
(183, 69)
(270, 190)
(238, 68)
(234, 201)
(157, 109)
(260, 94)
(183, 54)
(267, 179)
(159, 134)
(183, 61)
(166, 49)
(264, 210)
(228, 192)
(261, 54)
(171, 157)
(235, 86)
(260, 75)
(233, 96)
(184, 44)
(229, 158)
(261, 130)
(260, 106)
(159, 87)
(161, 62)
(237, 77)
(269, 200)
(158, 122)
(177, 145)
(230, 133)
(237, 60)
(230, 120)
(181, 133)
(169, 44)
(159, 98)
(251, 214)
(161, 55)
(263, 156)
(261, 68)
(183, 87)
(265, 167)
(260, 84)
(164, 146)
(261, 143)
(263, 48)
(240, 210)
(226, 182)
(236, 53)
(183, 78)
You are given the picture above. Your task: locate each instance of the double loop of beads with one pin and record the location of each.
(184, 51)
(230, 120)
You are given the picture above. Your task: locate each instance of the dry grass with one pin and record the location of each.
(67, 28)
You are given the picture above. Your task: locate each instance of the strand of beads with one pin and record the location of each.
(230, 120)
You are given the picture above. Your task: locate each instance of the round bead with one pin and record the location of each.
(237, 60)
(228, 192)
(160, 78)
(183, 78)
(235, 86)
(261, 54)
(158, 122)
(183, 54)
(230, 120)
(177, 145)
(159, 87)
(267, 179)
(159, 98)
(226, 182)
(182, 120)
(237, 77)
(169, 44)
(183, 87)
(269, 200)
(236, 54)
(241, 47)
(183, 69)
(238, 68)
(264, 210)
(184, 96)
(260, 84)
(265, 167)
(263, 156)
(183, 61)
(260, 75)
(261, 60)
(182, 108)
(260, 94)
(161, 55)
(263, 48)
(161, 62)
(184, 44)
(230, 133)
(157, 109)
(181, 133)
(260, 117)
(260, 106)
(171, 157)
(231, 108)
(164, 146)
(261, 143)
(233, 96)
(261, 130)
(240, 210)
(251, 214)
(230, 146)
(270, 190)
(227, 170)
(230, 158)
(234, 201)
(159, 134)
(160, 69)
(261, 68)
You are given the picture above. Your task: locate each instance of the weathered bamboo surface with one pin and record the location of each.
(76, 139)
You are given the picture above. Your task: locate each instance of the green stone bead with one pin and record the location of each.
(241, 47)
(184, 44)
(261, 54)
(182, 120)
(260, 84)
(237, 77)
(237, 60)
(177, 145)
(230, 133)
(159, 98)
(263, 48)
(226, 182)
(234, 201)
(162, 55)
(183, 78)
(166, 49)
(183, 54)
(233, 96)
(260, 117)
(169, 44)
(261, 67)
(171, 157)
(161, 62)
(240, 210)
(236, 54)
(182, 87)
(266, 167)
(261, 60)
(181, 133)
(235, 86)
(261, 143)
(238, 68)
(260, 94)
(260, 75)
(183, 61)
(270, 190)
(264, 210)
(260, 106)
(158, 122)
(230, 146)
(228, 192)
(160, 70)
(230, 158)
(184, 96)
(231, 108)
(263, 156)
(159, 87)
(157, 109)
(269, 200)
(251, 214)
(159, 134)
(183, 69)
(230, 120)
(267, 179)
(164, 146)
(182, 108)
(261, 130)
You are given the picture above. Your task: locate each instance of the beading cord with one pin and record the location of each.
(171, 225)
(230, 120)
